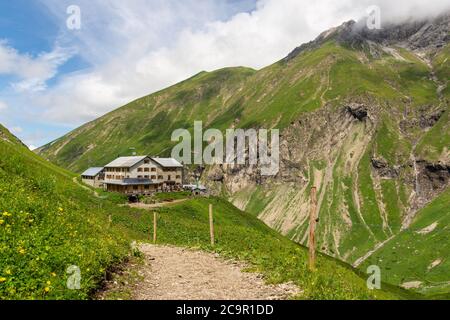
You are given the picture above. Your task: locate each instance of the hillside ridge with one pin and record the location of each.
(363, 116)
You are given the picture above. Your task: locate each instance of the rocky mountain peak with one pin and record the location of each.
(415, 34)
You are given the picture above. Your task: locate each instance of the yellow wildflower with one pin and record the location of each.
(2, 279)
(22, 251)
(61, 209)
(6, 214)
(2, 222)
(47, 289)
(53, 274)
(8, 272)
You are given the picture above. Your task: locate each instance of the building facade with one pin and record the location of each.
(94, 177)
(143, 175)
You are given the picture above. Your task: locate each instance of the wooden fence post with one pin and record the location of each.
(211, 225)
(155, 219)
(312, 230)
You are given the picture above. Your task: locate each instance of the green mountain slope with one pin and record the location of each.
(49, 223)
(364, 117)
(407, 258)
(147, 124)
(272, 97)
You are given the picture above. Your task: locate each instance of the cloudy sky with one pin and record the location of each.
(52, 78)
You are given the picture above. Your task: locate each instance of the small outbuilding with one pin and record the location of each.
(197, 190)
(94, 177)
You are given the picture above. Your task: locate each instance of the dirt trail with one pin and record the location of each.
(171, 273)
(379, 246)
(155, 205)
(75, 180)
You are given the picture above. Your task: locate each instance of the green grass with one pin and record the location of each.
(369, 208)
(48, 223)
(170, 196)
(436, 141)
(408, 256)
(393, 209)
(259, 199)
(241, 236)
(389, 145)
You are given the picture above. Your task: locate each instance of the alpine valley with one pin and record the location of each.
(363, 116)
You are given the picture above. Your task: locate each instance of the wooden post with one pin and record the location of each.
(312, 230)
(155, 219)
(211, 224)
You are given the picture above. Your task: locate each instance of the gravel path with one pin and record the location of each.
(155, 205)
(171, 273)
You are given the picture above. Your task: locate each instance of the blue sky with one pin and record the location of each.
(32, 28)
(53, 79)
(28, 28)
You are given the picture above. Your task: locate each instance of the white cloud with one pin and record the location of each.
(3, 106)
(137, 47)
(33, 72)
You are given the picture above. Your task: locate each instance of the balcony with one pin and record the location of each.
(130, 181)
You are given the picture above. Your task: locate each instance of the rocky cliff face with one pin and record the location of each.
(367, 195)
(429, 34)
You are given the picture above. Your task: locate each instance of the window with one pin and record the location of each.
(146, 187)
(153, 177)
(146, 161)
(160, 177)
(135, 187)
(146, 169)
(153, 169)
(146, 177)
(139, 169)
(139, 177)
(178, 177)
(169, 178)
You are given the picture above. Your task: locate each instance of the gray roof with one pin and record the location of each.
(194, 187)
(131, 182)
(92, 172)
(125, 162)
(168, 162)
